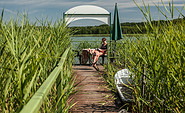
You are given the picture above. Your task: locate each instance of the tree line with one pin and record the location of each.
(127, 28)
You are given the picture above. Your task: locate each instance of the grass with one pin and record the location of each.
(158, 64)
(28, 54)
(105, 35)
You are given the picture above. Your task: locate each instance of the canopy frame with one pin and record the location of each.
(82, 12)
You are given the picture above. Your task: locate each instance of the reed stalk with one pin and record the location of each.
(158, 59)
(28, 54)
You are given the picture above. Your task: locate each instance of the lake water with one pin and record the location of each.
(88, 38)
(87, 42)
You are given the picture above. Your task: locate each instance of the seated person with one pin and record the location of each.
(97, 53)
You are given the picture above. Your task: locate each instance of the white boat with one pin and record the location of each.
(122, 80)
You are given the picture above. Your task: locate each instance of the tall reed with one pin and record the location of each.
(157, 61)
(28, 53)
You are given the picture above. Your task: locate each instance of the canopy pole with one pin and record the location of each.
(110, 28)
(64, 17)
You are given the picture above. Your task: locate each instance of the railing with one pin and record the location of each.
(36, 101)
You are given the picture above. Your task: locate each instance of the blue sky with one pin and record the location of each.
(53, 9)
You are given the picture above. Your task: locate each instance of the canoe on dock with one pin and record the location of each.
(122, 80)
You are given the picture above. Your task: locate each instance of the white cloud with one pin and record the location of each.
(106, 3)
(38, 7)
(7, 10)
(23, 2)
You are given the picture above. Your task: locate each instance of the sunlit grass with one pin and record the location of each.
(28, 53)
(159, 59)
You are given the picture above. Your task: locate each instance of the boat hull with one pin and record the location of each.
(123, 81)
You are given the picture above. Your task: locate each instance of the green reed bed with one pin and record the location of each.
(28, 54)
(104, 35)
(79, 45)
(157, 62)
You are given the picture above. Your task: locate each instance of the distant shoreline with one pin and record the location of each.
(105, 35)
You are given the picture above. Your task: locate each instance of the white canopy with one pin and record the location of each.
(87, 12)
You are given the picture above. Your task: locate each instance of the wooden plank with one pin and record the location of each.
(93, 94)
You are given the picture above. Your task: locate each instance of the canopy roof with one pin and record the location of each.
(87, 12)
(87, 9)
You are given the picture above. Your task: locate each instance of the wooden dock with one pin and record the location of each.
(93, 95)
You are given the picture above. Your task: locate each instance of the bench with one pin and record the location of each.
(89, 57)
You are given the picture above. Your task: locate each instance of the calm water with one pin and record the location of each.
(88, 38)
(93, 42)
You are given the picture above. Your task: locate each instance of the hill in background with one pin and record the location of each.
(127, 28)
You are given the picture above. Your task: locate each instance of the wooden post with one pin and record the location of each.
(143, 86)
(108, 56)
(103, 59)
(80, 60)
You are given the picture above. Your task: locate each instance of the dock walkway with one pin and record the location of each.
(93, 95)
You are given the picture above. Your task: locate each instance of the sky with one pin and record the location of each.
(54, 9)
